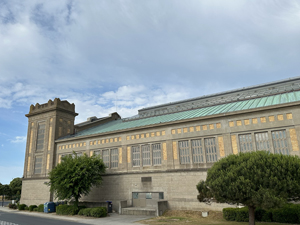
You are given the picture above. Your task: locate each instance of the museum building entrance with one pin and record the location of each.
(146, 199)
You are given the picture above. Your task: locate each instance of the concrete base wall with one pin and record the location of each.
(179, 190)
(35, 192)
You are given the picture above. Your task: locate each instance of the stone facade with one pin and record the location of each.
(165, 161)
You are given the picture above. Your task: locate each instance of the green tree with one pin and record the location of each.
(257, 179)
(1, 190)
(75, 176)
(6, 191)
(16, 186)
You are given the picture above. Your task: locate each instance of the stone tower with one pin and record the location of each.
(46, 123)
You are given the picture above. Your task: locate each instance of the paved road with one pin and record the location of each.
(20, 219)
(15, 217)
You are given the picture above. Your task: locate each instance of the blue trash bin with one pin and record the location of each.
(49, 207)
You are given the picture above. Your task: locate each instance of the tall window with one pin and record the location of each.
(262, 141)
(156, 151)
(197, 151)
(38, 164)
(40, 137)
(114, 157)
(245, 142)
(210, 150)
(110, 157)
(136, 156)
(146, 155)
(280, 142)
(105, 157)
(184, 152)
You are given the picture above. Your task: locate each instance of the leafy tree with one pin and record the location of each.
(16, 186)
(75, 176)
(257, 179)
(6, 190)
(1, 189)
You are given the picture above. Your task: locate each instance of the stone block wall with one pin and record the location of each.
(35, 192)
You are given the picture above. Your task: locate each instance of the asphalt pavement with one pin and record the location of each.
(16, 217)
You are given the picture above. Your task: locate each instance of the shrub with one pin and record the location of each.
(35, 209)
(66, 210)
(287, 214)
(22, 207)
(85, 212)
(99, 212)
(12, 206)
(229, 214)
(40, 208)
(242, 215)
(26, 208)
(94, 212)
(263, 215)
(32, 207)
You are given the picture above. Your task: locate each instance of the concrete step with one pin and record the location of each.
(139, 211)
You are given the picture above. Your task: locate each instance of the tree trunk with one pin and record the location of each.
(76, 203)
(251, 215)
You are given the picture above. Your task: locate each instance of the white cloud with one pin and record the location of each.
(19, 139)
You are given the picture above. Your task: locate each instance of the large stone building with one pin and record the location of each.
(163, 152)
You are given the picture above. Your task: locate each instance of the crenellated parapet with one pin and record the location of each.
(57, 104)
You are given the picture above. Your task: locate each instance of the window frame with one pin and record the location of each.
(191, 150)
(40, 141)
(286, 140)
(245, 143)
(38, 163)
(136, 155)
(109, 164)
(153, 154)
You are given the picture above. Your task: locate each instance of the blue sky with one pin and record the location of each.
(130, 54)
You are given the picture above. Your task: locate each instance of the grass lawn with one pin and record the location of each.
(194, 217)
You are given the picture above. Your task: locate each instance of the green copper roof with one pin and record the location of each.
(207, 111)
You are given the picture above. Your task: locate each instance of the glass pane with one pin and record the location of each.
(184, 152)
(245, 142)
(280, 142)
(211, 150)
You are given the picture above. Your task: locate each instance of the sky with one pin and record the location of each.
(124, 55)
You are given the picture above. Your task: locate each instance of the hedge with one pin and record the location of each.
(229, 214)
(242, 215)
(32, 207)
(93, 212)
(12, 206)
(65, 210)
(40, 208)
(289, 213)
(68, 209)
(22, 207)
(263, 215)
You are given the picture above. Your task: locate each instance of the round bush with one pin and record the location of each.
(32, 207)
(22, 207)
(40, 208)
